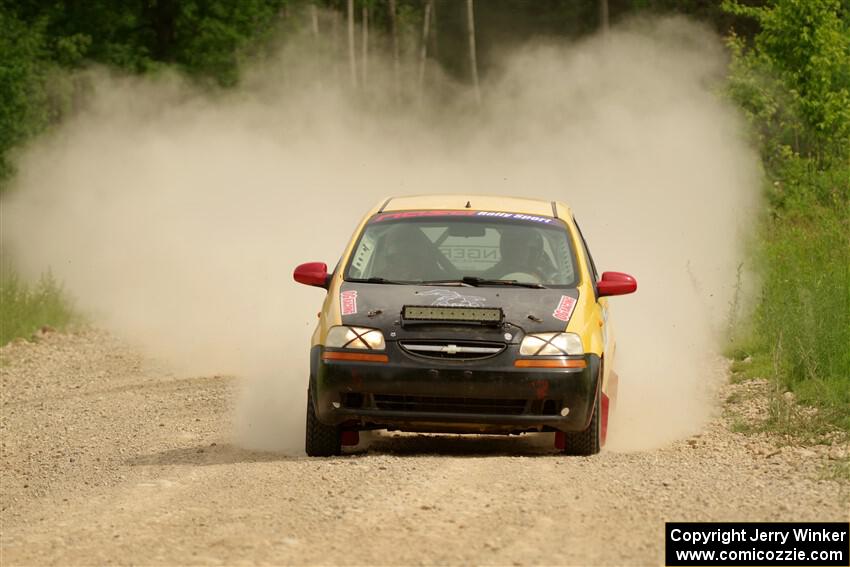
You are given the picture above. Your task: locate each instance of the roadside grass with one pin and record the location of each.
(789, 415)
(799, 335)
(27, 307)
(838, 470)
(804, 314)
(748, 365)
(787, 422)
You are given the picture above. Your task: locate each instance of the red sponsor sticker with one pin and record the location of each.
(565, 308)
(348, 302)
(415, 214)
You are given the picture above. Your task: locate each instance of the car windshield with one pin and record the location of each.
(418, 247)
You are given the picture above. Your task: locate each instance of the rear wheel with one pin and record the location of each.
(320, 440)
(589, 441)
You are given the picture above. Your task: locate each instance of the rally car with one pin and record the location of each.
(463, 314)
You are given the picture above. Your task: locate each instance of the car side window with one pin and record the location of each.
(363, 255)
(558, 248)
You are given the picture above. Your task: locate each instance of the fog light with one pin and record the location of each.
(565, 412)
(335, 405)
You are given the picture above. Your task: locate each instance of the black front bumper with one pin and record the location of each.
(417, 393)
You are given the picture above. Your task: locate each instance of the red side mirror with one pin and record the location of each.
(616, 283)
(312, 273)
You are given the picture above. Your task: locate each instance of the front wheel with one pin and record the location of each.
(589, 441)
(320, 440)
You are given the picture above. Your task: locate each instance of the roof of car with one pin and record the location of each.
(475, 202)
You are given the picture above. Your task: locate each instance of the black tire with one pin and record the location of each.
(589, 441)
(320, 440)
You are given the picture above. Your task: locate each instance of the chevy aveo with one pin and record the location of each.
(463, 314)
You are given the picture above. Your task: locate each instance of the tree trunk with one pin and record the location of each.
(603, 16)
(352, 56)
(335, 48)
(434, 53)
(394, 31)
(162, 16)
(364, 57)
(473, 62)
(314, 17)
(423, 52)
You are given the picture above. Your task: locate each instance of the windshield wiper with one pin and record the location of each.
(445, 282)
(476, 281)
(466, 280)
(380, 281)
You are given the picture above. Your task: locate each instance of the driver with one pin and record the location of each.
(521, 250)
(407, 255)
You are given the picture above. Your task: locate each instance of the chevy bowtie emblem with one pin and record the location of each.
(452, 349)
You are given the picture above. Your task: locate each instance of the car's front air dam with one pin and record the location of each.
(493, 379)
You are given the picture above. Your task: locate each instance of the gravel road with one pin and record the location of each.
(108, 458)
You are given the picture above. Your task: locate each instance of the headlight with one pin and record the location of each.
(355, 337)
(544, 344)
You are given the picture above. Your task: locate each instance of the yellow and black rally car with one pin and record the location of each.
(463, 314)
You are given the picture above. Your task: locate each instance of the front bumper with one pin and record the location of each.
(416, 393)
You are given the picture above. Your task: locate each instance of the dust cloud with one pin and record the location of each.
(175, 218)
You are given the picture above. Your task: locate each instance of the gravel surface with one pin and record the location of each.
(109, 458)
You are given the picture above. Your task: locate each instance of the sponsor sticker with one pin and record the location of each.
(492, 214)
(417, 214)
(348, 302)
(565, 308)
(516, 216)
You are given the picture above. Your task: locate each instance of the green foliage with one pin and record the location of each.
(765, 101)
(793, 84)
(806, 46)
(203, 37)
(710, 11)
(211, 36)
(22, 74)
(26, 308)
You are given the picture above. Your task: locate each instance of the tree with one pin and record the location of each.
(603, 16)
(396, 62)
(206, 38)
(807, 45)
(364, 57)
(23, 108)
(473, 63)
(423, 51)
(352, 57)
(314, 20)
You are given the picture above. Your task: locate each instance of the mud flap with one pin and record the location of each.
(560, 440)
(349, 438)
(604, 424)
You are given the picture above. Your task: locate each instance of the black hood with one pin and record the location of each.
(526, 310)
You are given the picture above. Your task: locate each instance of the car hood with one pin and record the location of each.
(526, 310)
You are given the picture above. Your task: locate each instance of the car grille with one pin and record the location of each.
(458, 350)
(449, 405)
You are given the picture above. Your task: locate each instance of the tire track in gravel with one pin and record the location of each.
(154, 480)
